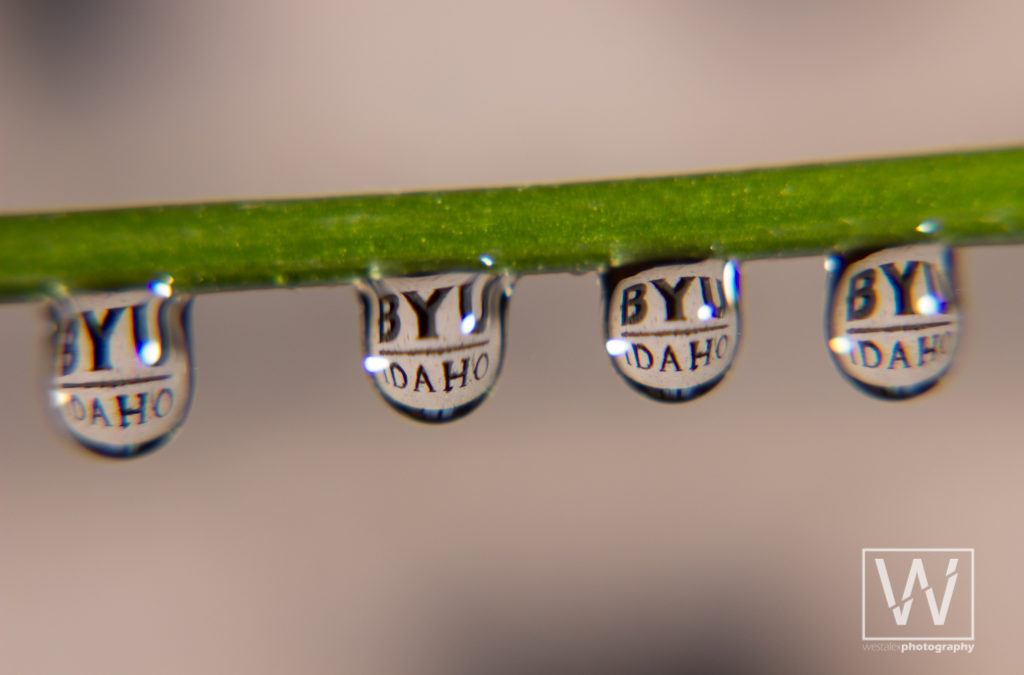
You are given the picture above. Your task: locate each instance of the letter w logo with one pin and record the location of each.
(901, 611)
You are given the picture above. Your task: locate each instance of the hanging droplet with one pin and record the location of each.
(892, 322)
(672, 330)
(434, 343)
(122, 382)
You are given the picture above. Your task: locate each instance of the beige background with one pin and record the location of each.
(569, 525)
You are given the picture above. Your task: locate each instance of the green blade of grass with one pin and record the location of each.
(978, 197)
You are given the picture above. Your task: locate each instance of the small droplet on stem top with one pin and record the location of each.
(122, 369)
(672, 330)
(892, 323)
(434, 344)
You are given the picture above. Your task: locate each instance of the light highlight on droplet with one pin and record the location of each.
(487, 260)
(468, 324)
(929, 227)
(705, 312)
(841, 344)
(928, 305)
(375, 364)
(149, 353)
(58, 398)
(616, 347)
(161, 287)
(731, 282)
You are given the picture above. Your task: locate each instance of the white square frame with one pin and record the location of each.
(863, 593)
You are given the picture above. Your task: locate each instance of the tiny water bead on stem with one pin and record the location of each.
(434, 344)
(122, 381)
(892, 323)
(672, 330)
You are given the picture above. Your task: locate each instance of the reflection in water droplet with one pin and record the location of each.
(434, 344)
(672, 329)
(122, 380)
(892, 323)
(929, 227)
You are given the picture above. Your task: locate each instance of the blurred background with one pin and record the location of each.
(296, 524)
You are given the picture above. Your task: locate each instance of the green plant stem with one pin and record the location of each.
(978, 197)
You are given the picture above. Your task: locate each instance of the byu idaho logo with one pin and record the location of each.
(892, 320)
(918, 594)
(123, 376)
(672, 330)
(434, 344)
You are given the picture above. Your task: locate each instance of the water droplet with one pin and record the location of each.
(892, 323)
(122, 379)
(672, 329)
(929, 226)
(161, 286)
(434, 344)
